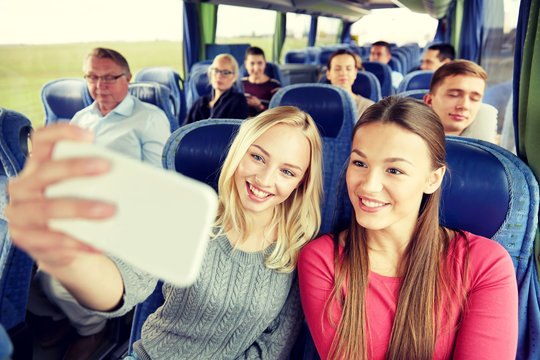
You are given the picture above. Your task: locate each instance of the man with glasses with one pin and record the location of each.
(122, 123)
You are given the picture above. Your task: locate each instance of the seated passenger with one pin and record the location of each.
(245, 302)
(125, 124)
(224, 102)
(437, 55)
(403, 286)
(343, 66)
(381, 51)
(455, 93)
(258, 87)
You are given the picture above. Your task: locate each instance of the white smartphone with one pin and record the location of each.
(163, 219)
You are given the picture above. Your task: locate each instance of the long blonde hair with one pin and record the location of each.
(298, 218)
(426, 287)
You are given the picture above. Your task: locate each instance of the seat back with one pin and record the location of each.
(296, 57)
(15, 265)
(271, 70)
(158, 95)
(365, 84)
(15, 129)
(62, 98)
(395, 65)
(491, 192)
(172, 80)
(383, 72)
(334, 112)
(196, 150)
(416, 80)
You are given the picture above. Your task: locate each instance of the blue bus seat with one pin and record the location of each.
(489, 191)
(271, 70)
(299, 74)
(312, 53)
(365, 84)
(296, 57)
(383, 72)
(415, 80)
(492, 193)
(417, 94)
(15, 130)
(15, 265)
(334, 112)
(401, 57)
(196, 150)
(170, 78)
(395, 64)
(156, 94)
(6, 347)
(62, 98)
(324, 55)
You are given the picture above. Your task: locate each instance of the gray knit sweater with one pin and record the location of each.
(236, 309)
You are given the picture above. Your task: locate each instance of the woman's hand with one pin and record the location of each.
(29, 211)
(254, 101)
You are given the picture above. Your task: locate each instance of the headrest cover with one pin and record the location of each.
(324, 104)
(475, 191)
(201, 152)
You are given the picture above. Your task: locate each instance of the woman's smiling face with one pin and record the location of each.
(272, 169)
(389, 171)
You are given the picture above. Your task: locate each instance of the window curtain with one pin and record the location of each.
(279, 35)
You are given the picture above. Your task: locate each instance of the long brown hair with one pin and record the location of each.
(426, 286)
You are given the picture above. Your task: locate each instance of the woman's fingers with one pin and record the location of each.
(48, 248)
(44, 139)
(31, 183)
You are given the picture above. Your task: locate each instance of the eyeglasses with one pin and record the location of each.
(106, 79)
(222, 72)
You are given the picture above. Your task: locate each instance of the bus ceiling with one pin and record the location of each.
(348, 10)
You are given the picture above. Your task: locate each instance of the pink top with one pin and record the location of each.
(489, 329)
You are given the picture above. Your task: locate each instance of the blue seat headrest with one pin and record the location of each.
(324, 104)
(475, 191)
(202, 151)
(156, 94)
(62, 98)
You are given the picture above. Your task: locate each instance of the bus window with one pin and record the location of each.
(246, 25)
(42, 45)
(498, 60)
(327, 31)
(296, 34)
(399, 26)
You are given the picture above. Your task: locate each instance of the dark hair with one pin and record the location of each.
(104, 53)
(453, 68)
(446, 51)
(254, 50)
(383, 43)
(357, 59)
(426, 285)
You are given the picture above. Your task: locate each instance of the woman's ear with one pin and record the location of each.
(435, 179)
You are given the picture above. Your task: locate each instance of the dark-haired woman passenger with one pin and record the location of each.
(343, 66)
(396, 284)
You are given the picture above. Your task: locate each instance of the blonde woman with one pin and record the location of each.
(224, 102)
(245, 302)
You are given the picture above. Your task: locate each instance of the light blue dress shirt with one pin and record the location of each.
(133, 128)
